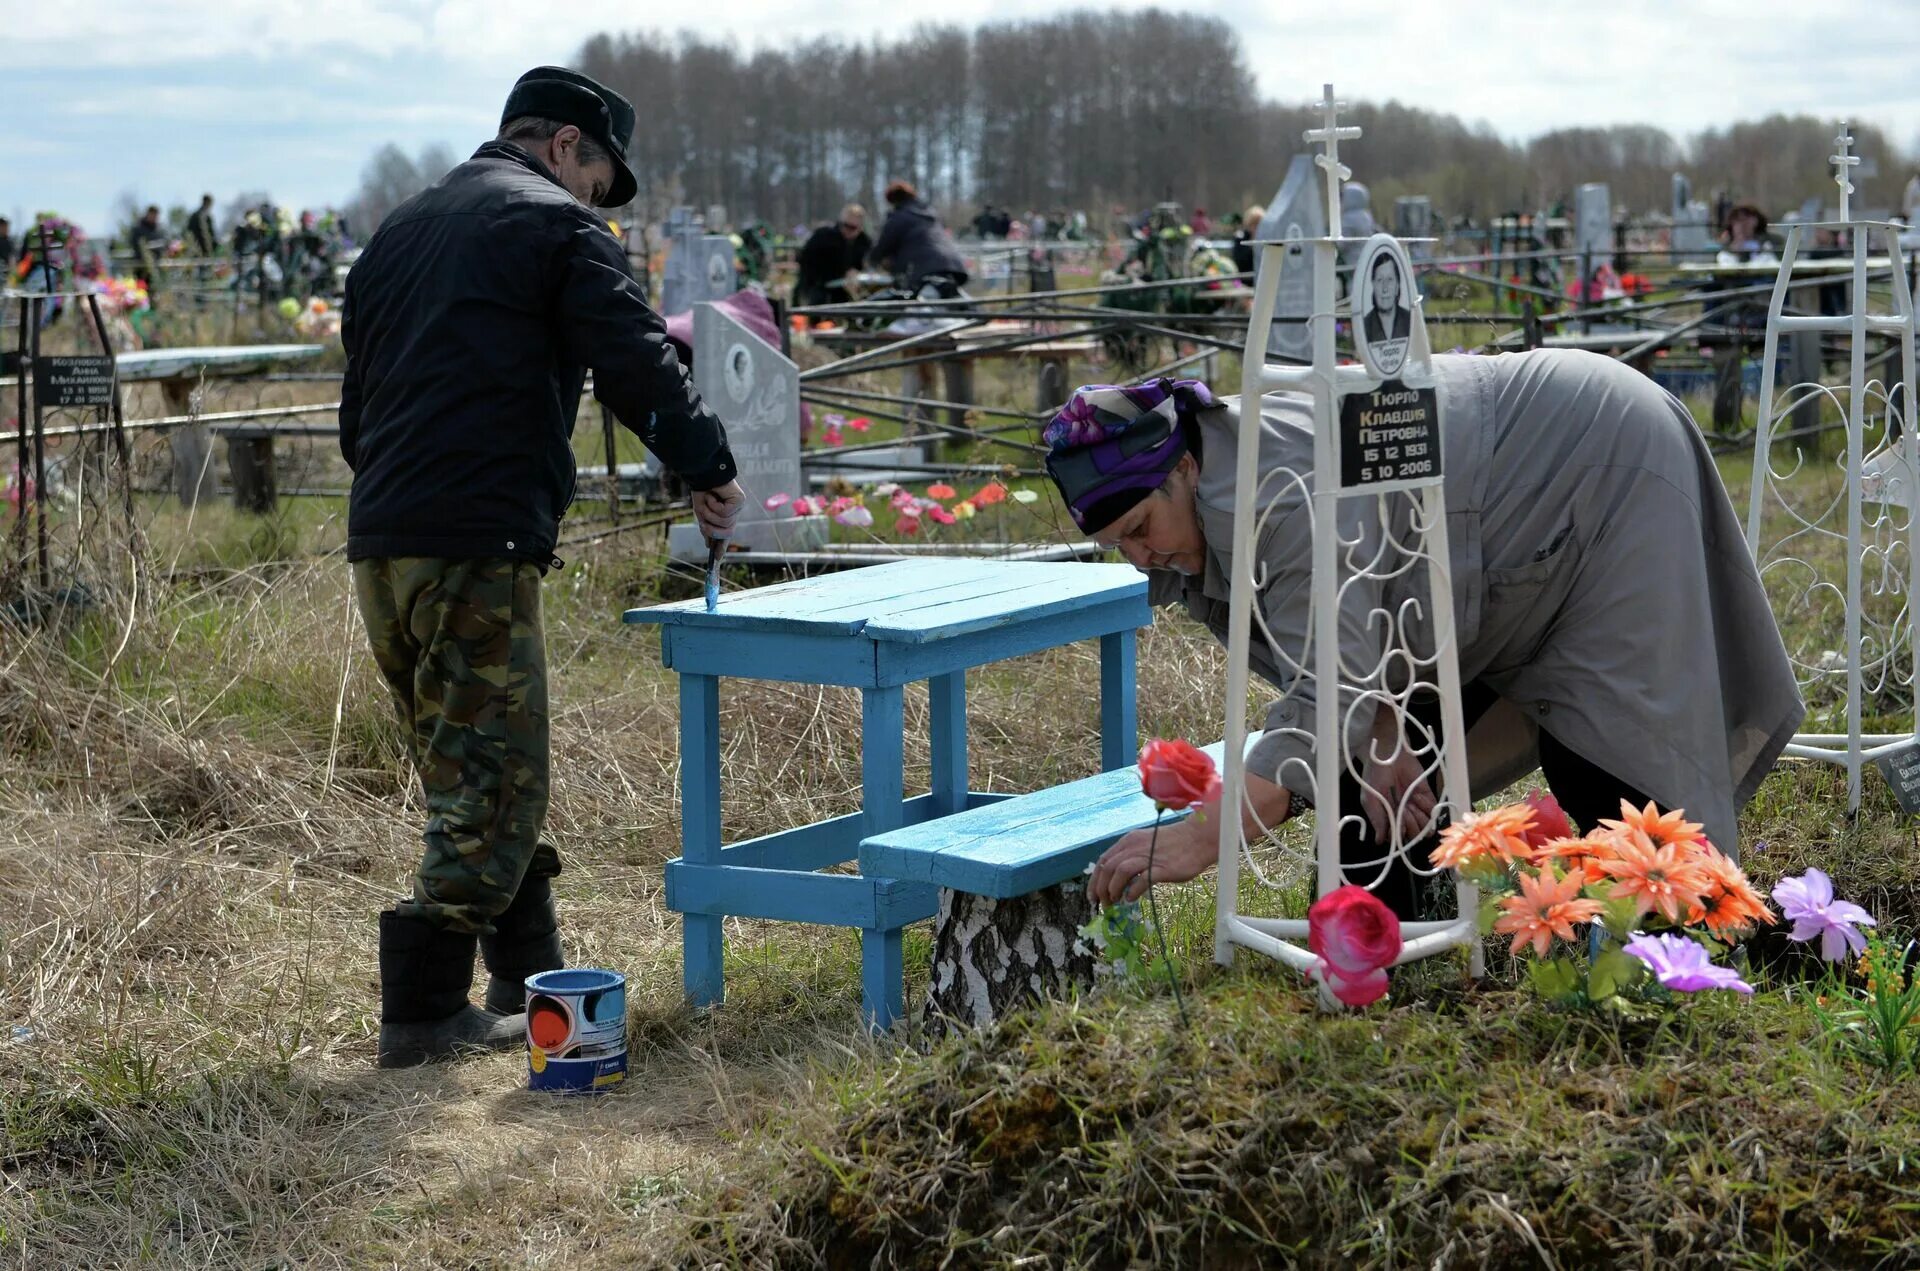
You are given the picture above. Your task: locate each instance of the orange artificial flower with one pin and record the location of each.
(1501, 834)
(941, 490)
(1546, 907)
(990, 493)
(1667, 877)
(1729, 904)
(1581, 857)
(1661, 827)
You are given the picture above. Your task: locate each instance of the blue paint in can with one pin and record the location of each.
(576, 1030)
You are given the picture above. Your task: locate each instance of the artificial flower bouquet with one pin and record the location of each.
(1642, 898)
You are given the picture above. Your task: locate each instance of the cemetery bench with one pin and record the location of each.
(178, 372)
(250, 459)
(1052, 360)
(877, 629)
(1013, 869)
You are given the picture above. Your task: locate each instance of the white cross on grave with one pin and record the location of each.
(1841, 162)
(1329, 134)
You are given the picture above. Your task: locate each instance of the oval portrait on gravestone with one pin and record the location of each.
(739, 364)
(720, 272)
(1383, 302)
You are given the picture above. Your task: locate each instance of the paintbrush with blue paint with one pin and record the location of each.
(714, 547)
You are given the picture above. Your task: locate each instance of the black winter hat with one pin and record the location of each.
(568, 97)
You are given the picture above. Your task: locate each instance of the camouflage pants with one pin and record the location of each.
(461, 646)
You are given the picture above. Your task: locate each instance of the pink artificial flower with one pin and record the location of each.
(833, 437)
(1363, 990)
(859, 423)
(1353, 933)
(940, 516)
(805, 506)
(774, 502)
(907, 525)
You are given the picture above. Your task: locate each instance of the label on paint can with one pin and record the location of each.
(576, 1029)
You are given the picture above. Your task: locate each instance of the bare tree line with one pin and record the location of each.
(1101, 111)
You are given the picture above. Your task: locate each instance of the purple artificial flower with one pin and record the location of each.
(1808, 902)
(1681, 964)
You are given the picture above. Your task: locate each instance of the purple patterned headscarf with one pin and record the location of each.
(1111, 446)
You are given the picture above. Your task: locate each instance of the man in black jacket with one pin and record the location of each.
(469, 323)
(830, 255)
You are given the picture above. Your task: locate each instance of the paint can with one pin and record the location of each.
(576, 1030)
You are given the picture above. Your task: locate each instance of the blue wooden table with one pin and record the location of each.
(876, 629)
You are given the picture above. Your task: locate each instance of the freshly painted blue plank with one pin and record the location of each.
(882, 757)
(883, 978)
(1011, 848)
(1119, 722)
(902, 663)
(700, 768)
(830, 842)
(770, 655)
(841, 602)
(839, 900)
(947, 728)
(1028, 591)
(907, 600)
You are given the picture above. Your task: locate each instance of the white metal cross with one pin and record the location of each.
(1842, 160)
(1329, 134)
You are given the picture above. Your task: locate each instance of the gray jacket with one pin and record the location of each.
(1602, 584)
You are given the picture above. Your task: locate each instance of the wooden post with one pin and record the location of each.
(250, 457)
(192, 448)
(1051, 385)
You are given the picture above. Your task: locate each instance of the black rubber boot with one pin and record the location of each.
(425, 972)
(526, 939)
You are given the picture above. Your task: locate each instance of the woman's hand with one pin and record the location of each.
(1384, 784)
(1185, 850)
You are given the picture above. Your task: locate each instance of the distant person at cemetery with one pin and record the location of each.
(471, 320)
(831, 258)
(1356, 211)
(1910, 200)
(149, 243)
(1200, 224)
(9, 250)
(200, 228)
(1244, 237)
(914, 245)
(1611, 625)
(1745, 236)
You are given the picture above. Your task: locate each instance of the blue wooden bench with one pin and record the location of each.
(1020, 844)
(876, 629)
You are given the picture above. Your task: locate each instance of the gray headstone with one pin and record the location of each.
(756, 392)
(1593, 223)
(1682, 195)
(1298, 212)
(700, 267)
(1413, 219)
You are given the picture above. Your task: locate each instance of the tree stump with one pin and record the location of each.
(993, 956)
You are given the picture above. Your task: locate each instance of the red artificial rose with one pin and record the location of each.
(1354, 934)
(1177, 774)
(1549, 821)
(1361, 991)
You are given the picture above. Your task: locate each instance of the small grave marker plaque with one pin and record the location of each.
(1389, 436)
(73, 381)
(1901, 767)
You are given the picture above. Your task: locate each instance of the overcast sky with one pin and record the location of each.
(168, 98)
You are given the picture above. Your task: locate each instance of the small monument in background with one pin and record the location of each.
(755, 389)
